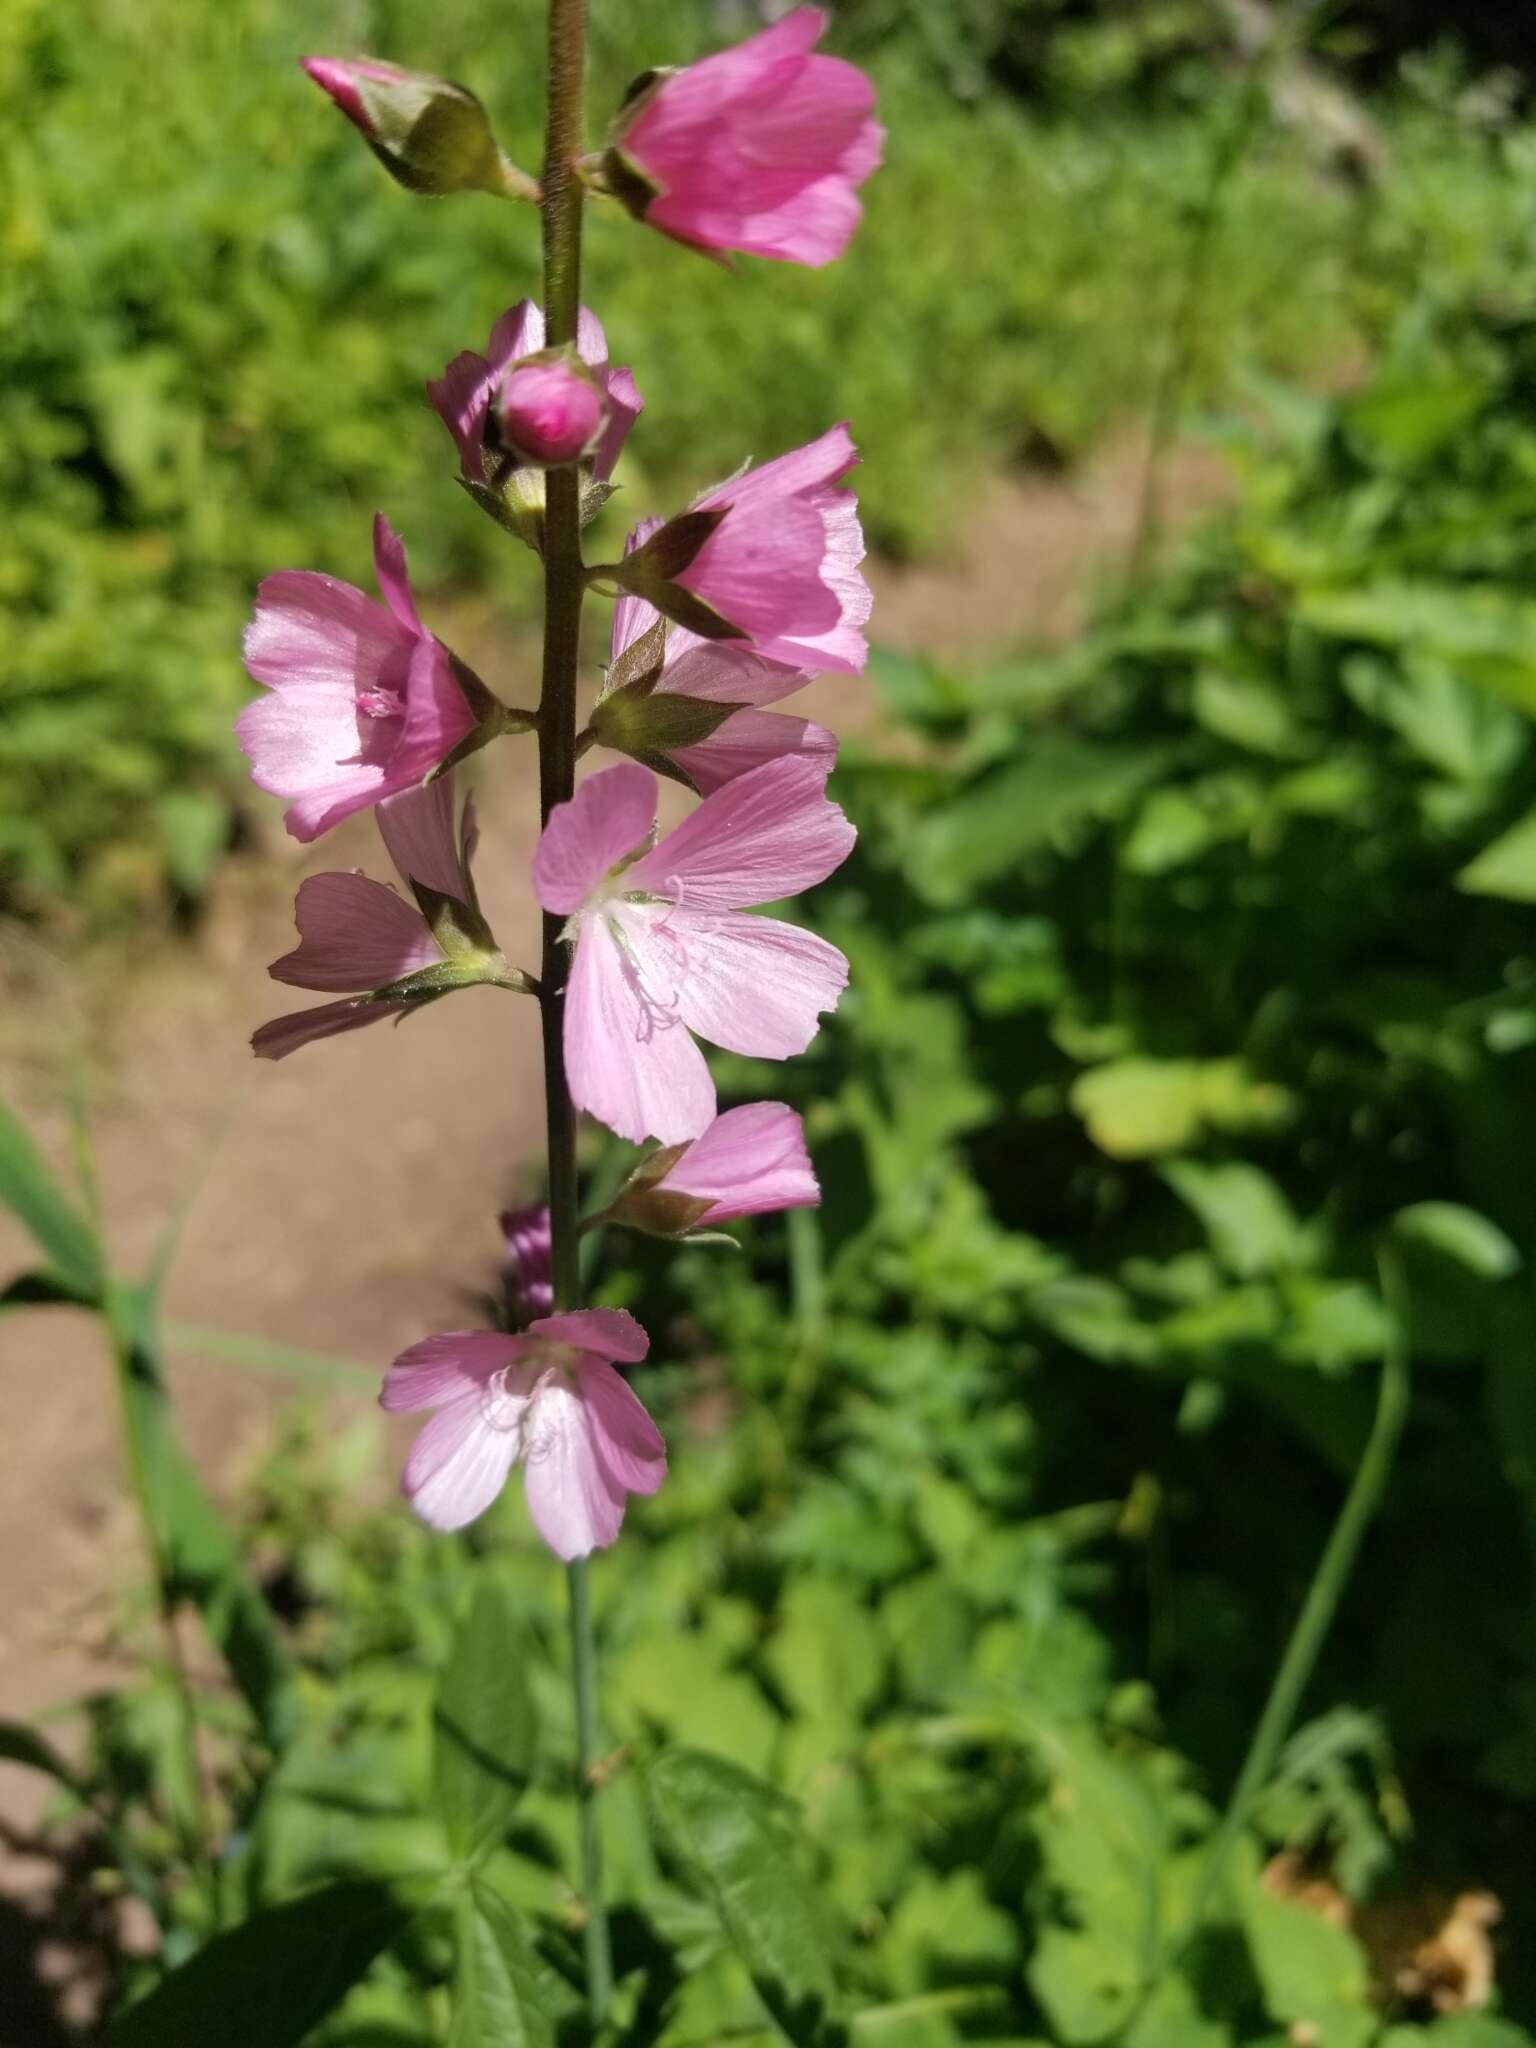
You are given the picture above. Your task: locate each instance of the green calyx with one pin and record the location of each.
(435, 138)
(641, 1204)
(652, 571)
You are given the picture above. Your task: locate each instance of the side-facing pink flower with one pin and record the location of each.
(462, 395)
(663, 947)
(549, 1398)
(778, 569)
(751, 1161)
(529, 1268)
(759, 148)
(362, 701)
(691, 708)
(357, 936)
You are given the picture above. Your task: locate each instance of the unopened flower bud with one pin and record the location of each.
(431, 136)
(550, 410)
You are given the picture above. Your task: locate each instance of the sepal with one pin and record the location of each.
(651, 571)
(660, 1212)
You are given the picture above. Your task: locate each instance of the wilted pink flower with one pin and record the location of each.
(363, 701)
(356, 935)
(698, 718)
(549, 1398)
(530, 1260)
(548, 412)
(781, 567)
(749, 1162)
(462, 395)
(663, 948)
(759, 148)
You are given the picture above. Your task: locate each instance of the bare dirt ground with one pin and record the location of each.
(343, 1201)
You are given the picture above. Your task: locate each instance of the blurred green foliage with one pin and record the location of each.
(217, 317)
(1193, 986)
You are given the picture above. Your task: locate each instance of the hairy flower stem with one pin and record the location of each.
(564, 586)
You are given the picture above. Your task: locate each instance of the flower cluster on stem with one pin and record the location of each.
(651, 942)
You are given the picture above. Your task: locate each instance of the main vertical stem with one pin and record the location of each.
(563, 589)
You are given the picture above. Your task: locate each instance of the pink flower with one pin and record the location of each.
(462, 395)
(759, 148)
(550, 1399)
(529, 1261)
(780, 567)
(549, 413)
(363, 701)
(663, 948)
(749, 1162)
(688, 707)
(358, 936)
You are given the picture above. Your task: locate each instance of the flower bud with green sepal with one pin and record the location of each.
(433, 137)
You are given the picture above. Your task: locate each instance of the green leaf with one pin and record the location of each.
(195, 1551)
(825, 1656)
(268, 1982)
(1463, 1234)
(496, 2002)
(31, 1193)
(484, 1721)
(1137, 1108)
(737, 1837)
(1506, 866)
(1311, 1972)
(1059, 787)
(1251, 1226)
(678, 1683)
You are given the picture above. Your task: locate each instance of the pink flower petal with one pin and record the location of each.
(460, 398)
(306, 743)
(313, 632)
(757, 986)
(575, 1504)
(629, 1061)
(394, 580)
(448, 1367)
(417, 826)
(769, 833)
(437, 716)
(519, 332)
(719, 672)
(747, 740)
(625, 406)
(749, 1162)
(633, 616)
(611, 814)
(354, 935)
(605, 1332)
(284, 1035)
(459, 1462)
(628, 1443)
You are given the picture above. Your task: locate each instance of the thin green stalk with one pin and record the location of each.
(1323, 1596)
(1232, 145)
(132, 1363)
(564, 586)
